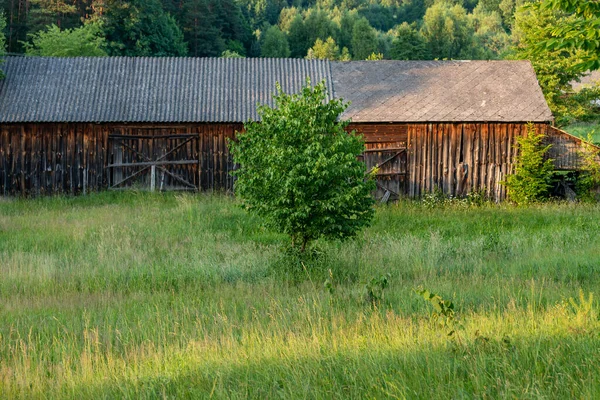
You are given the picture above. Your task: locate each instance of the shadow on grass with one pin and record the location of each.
(553, 367)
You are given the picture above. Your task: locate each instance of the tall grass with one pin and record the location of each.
(147, 296)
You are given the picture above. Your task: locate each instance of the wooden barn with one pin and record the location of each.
(75, 125)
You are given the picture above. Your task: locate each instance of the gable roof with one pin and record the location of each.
(441, 91)
(152, 89)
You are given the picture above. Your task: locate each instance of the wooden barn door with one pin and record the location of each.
(389, 165)
(153, 162)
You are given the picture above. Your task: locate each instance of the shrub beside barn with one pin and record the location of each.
(75, 125)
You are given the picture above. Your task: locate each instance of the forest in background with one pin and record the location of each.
(325, 29)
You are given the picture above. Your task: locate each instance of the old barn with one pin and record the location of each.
(75, 125)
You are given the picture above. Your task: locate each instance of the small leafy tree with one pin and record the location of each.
(299, 168)
(79, 42)
(274, 44)
(533, 173)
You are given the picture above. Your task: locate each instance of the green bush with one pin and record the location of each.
(588, 181)
(299, 169)
(533, 173)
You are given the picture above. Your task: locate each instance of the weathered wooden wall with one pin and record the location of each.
(54, 158)
(456, 158)
(565, 149)
(413, 159)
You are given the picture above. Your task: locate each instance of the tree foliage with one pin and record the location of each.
(210, 27)
(409, 44)
(327, 50)
(581, 31)
(364, 40)
(274, 44)
(448, 32)
(533, 172)
(555, 69)
(55, 42)
(2, 41)
(141, 28)
(299, 169)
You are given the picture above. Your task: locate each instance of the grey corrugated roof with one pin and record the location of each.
(124, 89)
(440, 91)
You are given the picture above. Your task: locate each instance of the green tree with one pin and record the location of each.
(347, 21)
(555, 69)
(324, 50)
(318, 25)
(490, 39)
(299, 169)
(580, 31)
(364, 40)
(54, 42)
(533, 172)
(409, 44)
(274, 44)
(141, 28)
(298, 38)
(447, 31)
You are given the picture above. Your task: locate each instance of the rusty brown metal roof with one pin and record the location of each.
(146, 89)
(440, 91)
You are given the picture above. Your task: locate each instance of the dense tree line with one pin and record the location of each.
(332, 29)
(269, 28)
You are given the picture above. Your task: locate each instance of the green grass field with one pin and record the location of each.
(134, 295)
(582, 129)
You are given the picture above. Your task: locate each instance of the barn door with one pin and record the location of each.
(390, 164)
(159, 162)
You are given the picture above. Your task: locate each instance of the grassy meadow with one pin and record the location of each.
(135, 295)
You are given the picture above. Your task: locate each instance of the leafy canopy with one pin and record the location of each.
(54, 42)
(555, 68)
(299, 168)
(141, 28)
(274, 44)
(530, 181)
(582, 31)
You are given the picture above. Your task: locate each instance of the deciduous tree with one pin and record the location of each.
(274, 43)
(409, 44)
(364, 40)
(299, 169)
(55, 42)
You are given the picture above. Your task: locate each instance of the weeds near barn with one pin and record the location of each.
(133, 295)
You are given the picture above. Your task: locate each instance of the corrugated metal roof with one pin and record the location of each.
(146, 89)
(125, 89)
(440, 91)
